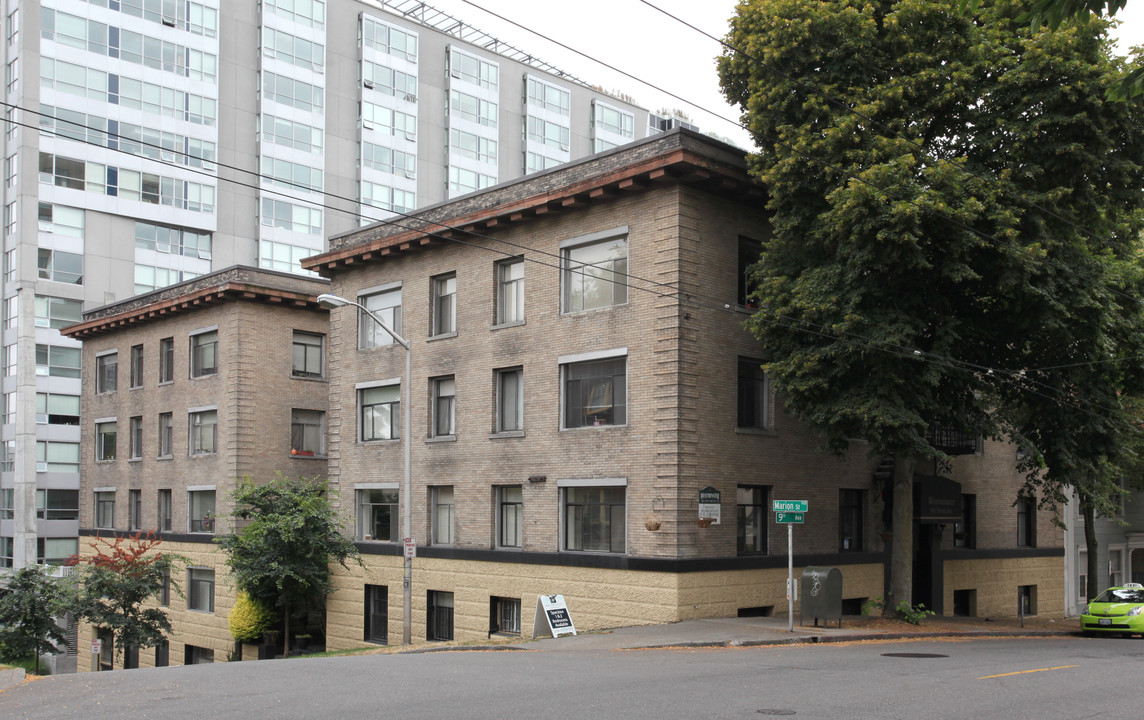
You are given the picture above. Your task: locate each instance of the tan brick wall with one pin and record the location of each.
(996, 583)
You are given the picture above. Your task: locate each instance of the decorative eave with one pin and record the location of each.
(191, 301)
(680, 165)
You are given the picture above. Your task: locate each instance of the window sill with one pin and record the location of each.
(202, 455)
(377, 542)
(380, 441)
(602, 308)
(502, 326)
(204, 612)
(166, 382)
(104, 461)
(312, 456)
(205, 376)
(165, 457)
(308, 379)
(442, 336)
(506, 434)
(592, 427)
(768, 432)
(135, 387)
(441, 439)
(135, 460)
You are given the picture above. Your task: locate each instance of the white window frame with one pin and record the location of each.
(395, 428)
(200, 589)
(510, 292)
(444, 407)
(442, 518)
(196, 446)
(370, 335)
(506, 421)
(307, 419)
(444, 305)
(572, 275)
(200, 341)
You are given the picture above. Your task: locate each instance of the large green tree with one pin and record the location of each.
(288, 533)
(920, 163)
(31, 604)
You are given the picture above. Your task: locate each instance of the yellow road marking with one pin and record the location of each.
(1025, 672)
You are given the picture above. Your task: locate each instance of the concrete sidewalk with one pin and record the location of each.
(755, 631)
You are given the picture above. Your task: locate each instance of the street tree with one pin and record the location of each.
(287, 535)
(119, 583)
(30, 608)
(919, 168)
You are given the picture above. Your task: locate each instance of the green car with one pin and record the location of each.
(1116, 611)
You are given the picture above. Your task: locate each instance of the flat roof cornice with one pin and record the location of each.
(680, 156)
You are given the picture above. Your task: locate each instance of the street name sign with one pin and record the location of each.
(798, 506)
(788, 517)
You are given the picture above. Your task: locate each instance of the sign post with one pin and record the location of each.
(790, 513)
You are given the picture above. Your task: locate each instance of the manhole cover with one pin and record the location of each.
(774, 711)
(914, 655)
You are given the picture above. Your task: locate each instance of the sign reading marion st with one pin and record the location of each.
(790, 506)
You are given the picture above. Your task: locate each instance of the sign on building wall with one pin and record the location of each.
(552, 613)
(711, 504)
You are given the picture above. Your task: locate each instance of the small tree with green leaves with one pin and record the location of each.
(29, 609)
(117, 585)
(289, 534)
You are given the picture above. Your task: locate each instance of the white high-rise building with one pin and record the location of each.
(150, 141)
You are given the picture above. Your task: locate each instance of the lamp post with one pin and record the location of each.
(332, 301)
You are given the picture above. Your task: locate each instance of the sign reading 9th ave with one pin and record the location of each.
(799, 506)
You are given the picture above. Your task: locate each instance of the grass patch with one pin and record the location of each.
(28, 663)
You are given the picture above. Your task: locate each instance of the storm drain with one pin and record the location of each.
(914, 655)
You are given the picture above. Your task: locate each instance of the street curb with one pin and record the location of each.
(834, 639)
(11, 677)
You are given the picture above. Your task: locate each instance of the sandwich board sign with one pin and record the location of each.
(552, 617)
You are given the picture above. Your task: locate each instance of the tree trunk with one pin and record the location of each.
(286, 634)
(1090, 544)
(902, 543)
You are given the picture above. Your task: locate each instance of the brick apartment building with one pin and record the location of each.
(187, 390)
(580, 372)
(565, 419)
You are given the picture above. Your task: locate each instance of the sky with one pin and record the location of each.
(635, 38)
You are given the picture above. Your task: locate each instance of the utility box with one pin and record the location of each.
(821, 595)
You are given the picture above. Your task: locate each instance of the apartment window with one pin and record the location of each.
(106, 650)
(377, 515)
(387, 306)
(594, 518)
(754, 395)
(164, 511)
(307, 433)
(380, 412)
(166, 434)
(441, 520)
(60, 266)
(1026, 522)
(163, 653)
(105, 433)
(504, 616)
(510, 400)
(200, 589)
(306, 360)
(203, 427)
(56, 361)
(595, 274)
(439, 623)
(136, 444)
(136, 378)
(595, 393)
(55, 504)
(107, 373)
(377, 614)
(57, 456)
(167, 360)
(56, 551)
(510, 291)
(850, 530)
(57, 409)
(751, 519)
(7, 503)
(105, 509)
(444, 406)
(6, 551)
(54, 312)
(204, 353)
(201, 511)
(135, 509)
(749, 253)
(965, 530)
(194, 655)
(510, 516)
(445, 305)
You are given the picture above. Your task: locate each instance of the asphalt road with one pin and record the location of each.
(1004, 678)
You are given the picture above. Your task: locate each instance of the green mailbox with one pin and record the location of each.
(821, 595)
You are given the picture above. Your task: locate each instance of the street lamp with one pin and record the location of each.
(333, 301)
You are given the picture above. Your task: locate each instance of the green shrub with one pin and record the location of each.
(249, 618)
(913, 614)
